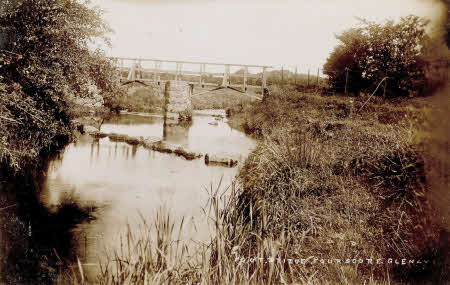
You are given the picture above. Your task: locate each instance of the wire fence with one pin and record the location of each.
(310, 79)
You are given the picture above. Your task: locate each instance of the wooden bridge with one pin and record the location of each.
(133, 70)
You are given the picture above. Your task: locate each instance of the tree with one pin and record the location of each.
(45, 57)
(345, 61)
(375, 51)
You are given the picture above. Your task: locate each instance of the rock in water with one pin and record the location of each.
(99, 135)
(150, 141)
(132, 140)
(118, 137)
(227, 159)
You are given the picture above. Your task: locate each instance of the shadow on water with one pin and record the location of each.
(36, 244)
(176, 133)
(84, 197)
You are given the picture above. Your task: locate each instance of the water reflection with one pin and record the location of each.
(95, 187)
(35, 241)
(176, 133)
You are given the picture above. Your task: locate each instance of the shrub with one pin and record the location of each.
(45, 60)
(373, 51)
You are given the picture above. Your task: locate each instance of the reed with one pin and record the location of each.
(325, 183)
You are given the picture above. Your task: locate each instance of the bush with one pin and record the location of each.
(371, 52)
(45, 60)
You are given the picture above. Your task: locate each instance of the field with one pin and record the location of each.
(223, 98)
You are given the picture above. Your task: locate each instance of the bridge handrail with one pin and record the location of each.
(189, 62)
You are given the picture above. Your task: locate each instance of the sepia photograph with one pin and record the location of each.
(224, 142)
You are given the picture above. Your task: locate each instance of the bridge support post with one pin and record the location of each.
(226, 76)
(264, 85)
(121, 70)
(202, 69)
(139, 74)
(156, 77)
(135, 71)
(116, 67)
(179, 72)
(177, 99)
(131, 73)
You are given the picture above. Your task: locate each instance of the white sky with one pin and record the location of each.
(273, 32)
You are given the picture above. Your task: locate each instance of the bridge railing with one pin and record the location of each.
(131, 69)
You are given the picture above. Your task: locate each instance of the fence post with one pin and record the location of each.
(158, 78)
(308, 78)
(201, 74)
(317, 81)
(245, 78)
(295, 78)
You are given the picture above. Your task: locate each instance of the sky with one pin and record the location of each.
(263, 32)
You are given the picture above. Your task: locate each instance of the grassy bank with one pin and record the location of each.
(223, 98)
(336, 182)
(139, 98)
(332, 195)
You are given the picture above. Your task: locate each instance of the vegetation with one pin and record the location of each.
(373, 51)
(342, 182)
(222, 99)
(328, 181)
(46, 60)
(149, 99)
(333, 178)
(138, 98)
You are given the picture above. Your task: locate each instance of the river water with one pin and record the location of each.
(95, 187)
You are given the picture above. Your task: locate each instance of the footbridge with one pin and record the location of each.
(202, 74)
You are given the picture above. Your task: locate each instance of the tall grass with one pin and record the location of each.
(325, 183)
(155, 253)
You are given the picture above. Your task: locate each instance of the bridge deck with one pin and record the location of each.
(137, 72)
(162, 82)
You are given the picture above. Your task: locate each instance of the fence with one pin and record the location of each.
(309, 80)
(304, 78)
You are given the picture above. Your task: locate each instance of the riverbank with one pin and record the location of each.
(333, 193)
(332, 181)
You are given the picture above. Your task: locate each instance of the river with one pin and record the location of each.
(94, 188)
